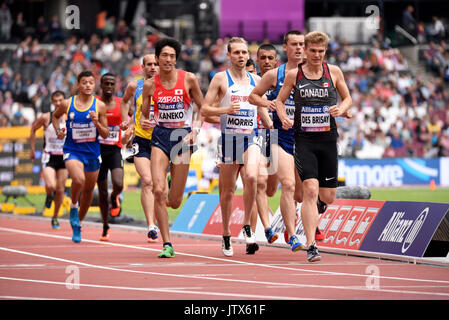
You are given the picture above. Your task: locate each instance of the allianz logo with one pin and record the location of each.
(405, 231)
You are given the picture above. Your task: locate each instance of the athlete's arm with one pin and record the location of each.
(265, 117)
(147, 93)
(215, 92)
(59, 112)
(343, 91)
(197, 97)
(100, 120)
(125, 104)
(36, 125)
(256, 97)
(284, 93)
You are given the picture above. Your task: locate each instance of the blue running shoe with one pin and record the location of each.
(271, 235)
(295, 244)
(76, 237)
(74, 219)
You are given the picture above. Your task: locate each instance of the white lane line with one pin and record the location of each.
(177, 291)
(240, 281)
(27, 298)
(363, 275)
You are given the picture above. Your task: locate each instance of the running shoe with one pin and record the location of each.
(115, 206)
(295, 244)
(54, 223)
(226, 246)
(322, 206)
(318, 235)
(167, 252)
(250, 238)
(76, 237)
(75, 223)
(152, 233)
(48, 201)
(312, 253)
(105, 234)
(271, 235)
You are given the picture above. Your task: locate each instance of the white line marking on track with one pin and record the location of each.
(227, 260)
(27, 298)
(178, 291)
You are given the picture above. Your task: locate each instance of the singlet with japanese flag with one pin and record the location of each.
(172, 107)
(245, 120)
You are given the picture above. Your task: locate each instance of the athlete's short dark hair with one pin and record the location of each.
(57, 93)
(107, 74)
(85, 73)
(267, 47)
(173, 43)
(291, 32)
(250, 62)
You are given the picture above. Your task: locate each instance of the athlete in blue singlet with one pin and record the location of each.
(282, 141)
(86, 119)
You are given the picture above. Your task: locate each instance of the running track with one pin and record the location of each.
(37, 262)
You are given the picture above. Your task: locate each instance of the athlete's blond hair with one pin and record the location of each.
(236, 40)
(316, 37)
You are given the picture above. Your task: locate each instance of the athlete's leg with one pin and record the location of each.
(103, 199)
(179, 171)
(286, 176)
(117, 182)
(159, 167)
(143, 168)
(261, 195)
(61, 177)
(251, 164)
(87, 193)
(50, 184)
(76, 172)
(309, 210)
(226, 187)
(298, 188)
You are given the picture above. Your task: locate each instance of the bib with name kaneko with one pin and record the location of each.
(315, 118)
(173, 107)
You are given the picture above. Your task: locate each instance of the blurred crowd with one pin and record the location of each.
(396, 113)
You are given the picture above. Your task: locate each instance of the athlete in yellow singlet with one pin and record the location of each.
(141, 141)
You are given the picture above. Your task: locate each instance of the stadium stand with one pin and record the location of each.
(400, 109)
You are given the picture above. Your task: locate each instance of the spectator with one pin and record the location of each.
(121, 30)
(18, 28)
(5, 22)
(41, 29)
(438, 32)
(55, 30)
(408, 21)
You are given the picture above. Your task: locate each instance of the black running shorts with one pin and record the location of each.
(317, 159)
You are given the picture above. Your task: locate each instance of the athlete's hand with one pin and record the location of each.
(234, 107)
(124, 125)
(32, 154)
(287, 123)
(271, 105)
(94, 117)
(348, 114)
(61, 133)
(145, 123)
(335, 111)
(190, 138)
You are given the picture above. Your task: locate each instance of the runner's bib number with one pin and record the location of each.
(113, 136)
(172, 115)
(80, 135)
(315, 118)
(242, 122)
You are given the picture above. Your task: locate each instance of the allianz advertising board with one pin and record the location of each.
(394, 172)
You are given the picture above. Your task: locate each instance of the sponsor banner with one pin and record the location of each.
(393, 172)
(346, 222)
(404, 228)
(195, 213)
(214, 225)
